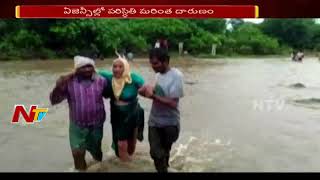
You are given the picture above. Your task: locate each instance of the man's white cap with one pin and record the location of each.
(80, 61)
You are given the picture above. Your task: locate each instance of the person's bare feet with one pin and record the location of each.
(126, 159)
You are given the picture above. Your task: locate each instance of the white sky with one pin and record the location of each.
(260, 20)
(254, 20)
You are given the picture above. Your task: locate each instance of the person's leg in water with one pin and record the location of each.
(94, 141)
(123, 142)
(97, 156)
(167, 148)
(157, 151)
(120, 146)
(77, 138)
(79, 159)
(171, 134)
(123, 150)
(132, 142)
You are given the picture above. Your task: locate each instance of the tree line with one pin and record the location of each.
(58, 38)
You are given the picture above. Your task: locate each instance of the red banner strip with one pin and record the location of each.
(133, 11)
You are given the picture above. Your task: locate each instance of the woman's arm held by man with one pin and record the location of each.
(171, 102)
(142, 91)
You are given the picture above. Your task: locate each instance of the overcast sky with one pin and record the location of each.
(254, 20)
(260, 20)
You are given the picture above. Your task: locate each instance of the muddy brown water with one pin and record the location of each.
(237, 115)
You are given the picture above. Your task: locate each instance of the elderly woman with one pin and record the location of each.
(127, 117)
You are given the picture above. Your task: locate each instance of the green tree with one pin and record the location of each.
(201, 42)
(250, 40)
(216, 26)
(296, 33)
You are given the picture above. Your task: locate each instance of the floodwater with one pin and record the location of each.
(237, 115)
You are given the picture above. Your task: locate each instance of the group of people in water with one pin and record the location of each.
(85, 90)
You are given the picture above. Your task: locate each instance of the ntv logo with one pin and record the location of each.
(35, 114)
(269, 105)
